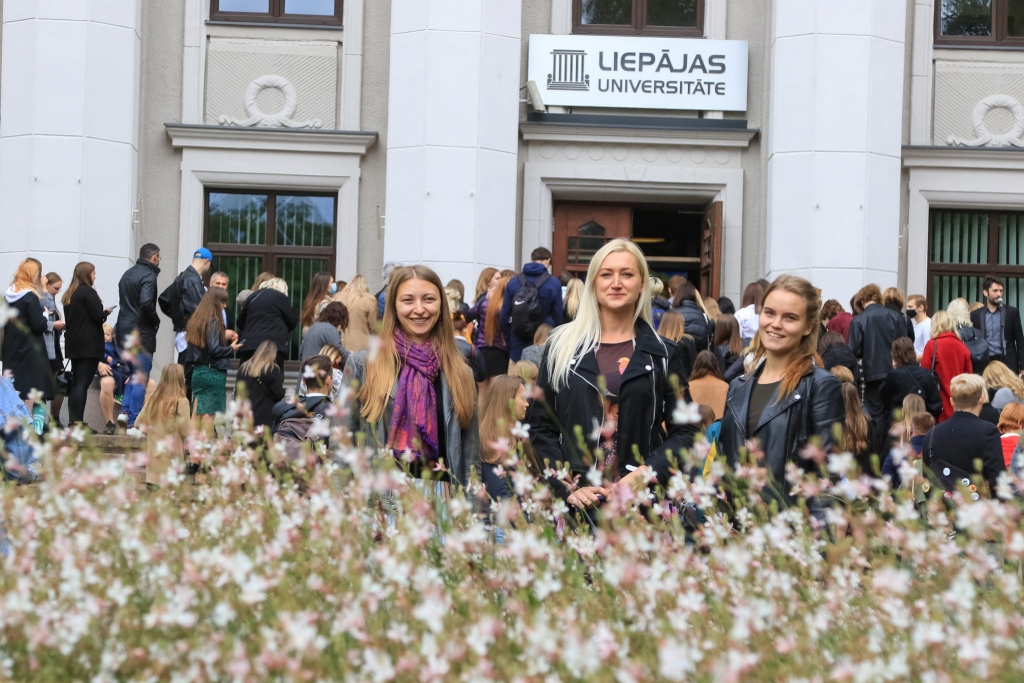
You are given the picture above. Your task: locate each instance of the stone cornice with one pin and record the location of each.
(270, 139)
(977, 158)
(559, 132)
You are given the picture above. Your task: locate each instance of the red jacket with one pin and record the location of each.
(953, 359)
(841, 324)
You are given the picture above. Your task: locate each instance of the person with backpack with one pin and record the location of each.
(532, 298)
(181, 299)
(294, 421)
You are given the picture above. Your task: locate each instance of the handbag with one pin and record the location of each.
(978, 347)
(64, 379)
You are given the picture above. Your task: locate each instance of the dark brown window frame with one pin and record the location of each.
(271, 251)
(1000, 15)
(276, 15)
(978, 270)
(638, 27)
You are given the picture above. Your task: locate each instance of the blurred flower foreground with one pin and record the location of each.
(348, 571)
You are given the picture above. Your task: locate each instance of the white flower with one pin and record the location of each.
(521, 431)
(841, 463)
(686, 413)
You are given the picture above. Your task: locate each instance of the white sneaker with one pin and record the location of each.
(133, 432)
(122, 418)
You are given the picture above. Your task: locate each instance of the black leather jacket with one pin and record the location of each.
(216, 353)
(786, 425)
(871, 336)
(137, 301)
(646, 401)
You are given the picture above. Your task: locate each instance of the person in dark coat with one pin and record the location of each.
(1006, 343)
(892, 298)
(951, 448)
(267, 316)
(83, 340)
(907, 377)
(621, 352)
(550, 291)
(834, 351)
(872, 333)
(137, 294)
(24, 350)
(785, 402)
(698, 324)
(263, 383)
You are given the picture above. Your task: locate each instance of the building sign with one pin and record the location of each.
(640, 73)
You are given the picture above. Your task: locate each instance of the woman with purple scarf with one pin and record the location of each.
(417, 397)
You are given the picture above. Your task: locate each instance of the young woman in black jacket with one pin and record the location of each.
(263, 383)
(907, 377)
(787, 401)
(607, 368)
(84, 316)
(210, 355)
(24, 349)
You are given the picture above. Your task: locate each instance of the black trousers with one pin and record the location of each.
(874, 406)
(82, 372)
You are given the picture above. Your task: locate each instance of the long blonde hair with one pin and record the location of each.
(483, 283)
(263, 360)
(805, 357)
(383, 370)
(163, 404)
(496, 415)
(998, 376)
(959, 313)
(353, 290)
(583, 334)
(573, 294)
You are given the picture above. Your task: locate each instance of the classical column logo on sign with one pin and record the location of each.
(567, 71)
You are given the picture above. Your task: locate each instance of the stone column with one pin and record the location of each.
(835, 130)
(69, 113)
(453, 123)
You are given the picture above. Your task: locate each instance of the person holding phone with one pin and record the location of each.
(83, 341)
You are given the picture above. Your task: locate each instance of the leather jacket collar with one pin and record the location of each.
(650, 346)
(738, 400)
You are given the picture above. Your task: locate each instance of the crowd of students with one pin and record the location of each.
(615, 357)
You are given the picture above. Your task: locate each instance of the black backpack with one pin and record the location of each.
(527, 308)
(170, 303)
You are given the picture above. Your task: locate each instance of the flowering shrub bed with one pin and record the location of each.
(247, 578)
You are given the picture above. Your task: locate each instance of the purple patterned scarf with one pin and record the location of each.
(414, 421)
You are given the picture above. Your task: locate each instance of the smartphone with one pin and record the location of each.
(241, 341)
(113, 307)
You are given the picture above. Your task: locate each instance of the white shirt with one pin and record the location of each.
(922, 333)
(748, 320)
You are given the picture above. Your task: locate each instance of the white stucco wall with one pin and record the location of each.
(69, 136)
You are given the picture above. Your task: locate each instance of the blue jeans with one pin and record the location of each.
(135, 390)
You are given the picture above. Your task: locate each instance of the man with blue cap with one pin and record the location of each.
(180, 300)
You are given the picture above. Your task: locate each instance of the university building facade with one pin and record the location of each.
(854, 142)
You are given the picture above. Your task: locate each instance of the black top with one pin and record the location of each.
(840, 354)
(84, 316)
(686, 353)
(263, 391)
(989, 413)
(956, 443)
(24, 351)
(871, 336)
(1012, 335)
(759, 398)
(216, 353)
(911, 379)
(266, 315)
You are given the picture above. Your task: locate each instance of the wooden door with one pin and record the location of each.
(711, 252)
(582, 229)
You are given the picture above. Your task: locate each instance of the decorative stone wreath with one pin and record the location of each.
(987, 139)
(283, 118)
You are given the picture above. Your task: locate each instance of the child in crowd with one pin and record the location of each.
(112, 357)
(920, 424)
(338, 358)
(504, 404)
(166, 421)
(526, 371)
(535, 353)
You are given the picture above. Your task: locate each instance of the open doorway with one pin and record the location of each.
(677, 240)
